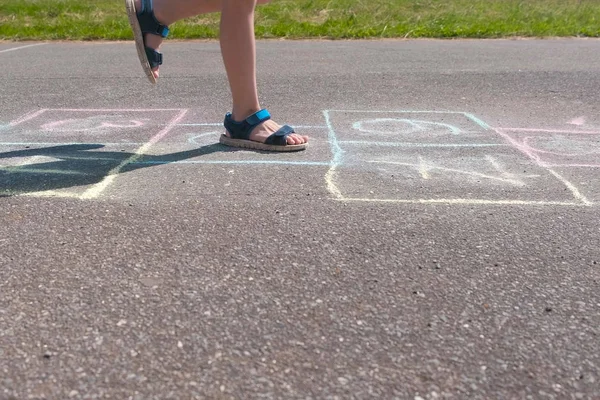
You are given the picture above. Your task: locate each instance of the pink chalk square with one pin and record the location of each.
(556, 148)
(89, 125)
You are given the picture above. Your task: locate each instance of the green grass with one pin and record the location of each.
(105, 19)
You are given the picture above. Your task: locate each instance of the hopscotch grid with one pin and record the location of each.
(337, 152)
(334, 163)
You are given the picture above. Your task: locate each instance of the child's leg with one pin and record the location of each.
(238, 48)
(170, 11)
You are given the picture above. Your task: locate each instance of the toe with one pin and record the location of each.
(294, 139)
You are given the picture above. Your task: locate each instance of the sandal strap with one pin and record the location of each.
(149, 23)
(154, 57)
(243, 129)
(279, 138)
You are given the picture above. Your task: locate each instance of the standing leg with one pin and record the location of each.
(238, 47)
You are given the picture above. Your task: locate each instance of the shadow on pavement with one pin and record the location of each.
(66, 166)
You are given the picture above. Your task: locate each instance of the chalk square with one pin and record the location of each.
(554, 148)
(78, 152)
(409, 128)
(502, 175)
(121, 126)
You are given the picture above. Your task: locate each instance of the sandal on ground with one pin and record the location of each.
(142, 22)
(240, 134)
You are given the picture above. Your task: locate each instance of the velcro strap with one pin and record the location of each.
(279, 138)
(154, 57)
(258, 117)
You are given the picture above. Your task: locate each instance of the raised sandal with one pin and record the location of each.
(142, 22)
(240, 134)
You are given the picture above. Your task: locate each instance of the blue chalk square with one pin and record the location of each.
(410, 128)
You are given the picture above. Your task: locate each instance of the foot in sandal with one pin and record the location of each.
(149, 33)
(259, 132)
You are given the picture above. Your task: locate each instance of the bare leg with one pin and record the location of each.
(238, 48)
(170, 11)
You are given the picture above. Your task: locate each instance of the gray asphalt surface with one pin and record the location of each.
(438, 240)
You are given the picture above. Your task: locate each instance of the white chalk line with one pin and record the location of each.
(97, 189)
(574, 190)
(424, 168)
(19, 170)
(27, 117)
(23, 167)
(22, 47)
(337, 154)
(463, 202)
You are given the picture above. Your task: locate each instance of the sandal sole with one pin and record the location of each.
(249, 144)
(139, 39)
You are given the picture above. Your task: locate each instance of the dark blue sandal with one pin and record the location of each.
(240, 134)
(143, 21)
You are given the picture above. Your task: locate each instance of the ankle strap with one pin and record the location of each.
(149, 23)
(243, 129)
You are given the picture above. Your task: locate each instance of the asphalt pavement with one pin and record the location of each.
(439, 239)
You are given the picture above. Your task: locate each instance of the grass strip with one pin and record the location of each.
(332, 19)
